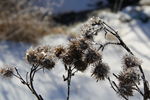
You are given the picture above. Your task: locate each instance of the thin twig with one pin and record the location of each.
(69, 81)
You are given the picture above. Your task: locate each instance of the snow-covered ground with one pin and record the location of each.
(83, 87)
(61, 6)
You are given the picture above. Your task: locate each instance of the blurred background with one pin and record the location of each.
(29, 23)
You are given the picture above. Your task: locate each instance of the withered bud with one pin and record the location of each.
(59, 51)
(91, 28)
(92, 56)
(80, 65)
(7, 72)
(86, 32)
(83, 44)
(125, 90)
(131, 61)
(67, 59)
(45, 49)
(80, 44)
(37, 55)
(100, 71)
(74, 52)
(129, 77)
(47, 63)
(95, 21)
(31, 56)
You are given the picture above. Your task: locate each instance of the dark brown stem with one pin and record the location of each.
(29, 83)
(145, 82)
(32, 74)
(112, 83)
(69, 81)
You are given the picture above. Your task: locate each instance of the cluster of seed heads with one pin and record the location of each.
(81, 54)
(41, 56)
(131, 61)
(129, 76)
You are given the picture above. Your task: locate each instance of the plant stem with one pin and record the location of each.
(69, 81)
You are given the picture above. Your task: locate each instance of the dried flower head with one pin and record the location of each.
(44, 48)
(125, 90)
(100, 71)
(72, 54)
(7, 72)
(80, 65)
(42, 56)
(86, 32)
(47, 63)
(92, 56)
(95, 21)
(92, 27)
(59, 51)
(67, 59)
(31, 56)
(83, 44)
(129, 77)
(131, 61)
(80, 44)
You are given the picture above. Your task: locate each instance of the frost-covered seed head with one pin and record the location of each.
(125, 90)
(47, 63)
(92, 56)
(80, 65)
(7, 72)
(59, 51)
(129, 76)
(100, 71)
(42, 56)
(31, 56)
(131, 61)
(45, 49)
(74, 51)
(67, 59)
(95, 21)
(91, 28)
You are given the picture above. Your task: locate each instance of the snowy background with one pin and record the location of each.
(135, 33)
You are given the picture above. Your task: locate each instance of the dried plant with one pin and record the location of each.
(21, 21)
(83, 52)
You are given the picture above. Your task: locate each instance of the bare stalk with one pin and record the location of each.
(29, 80)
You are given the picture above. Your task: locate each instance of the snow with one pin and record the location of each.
(83, 87)
(63, 6)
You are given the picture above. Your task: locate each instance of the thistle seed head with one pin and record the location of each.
(100, 71)
(47, 63)
(129, 77)
(80, 65)
(59, 51)
(92, 56)
(7, 72)
(125, 90)
(45, 49)
(91, 28)
(131, 61)
(42, 56)
(74, 52)
(31, 56)
(67, 59)
(83, 44)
